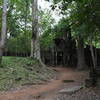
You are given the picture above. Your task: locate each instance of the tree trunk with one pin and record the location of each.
(93, 72)
(35, 47)
(96, 58)
(3, 33)
(93, 54)
(80, 54)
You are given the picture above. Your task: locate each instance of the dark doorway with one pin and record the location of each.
(60, 58)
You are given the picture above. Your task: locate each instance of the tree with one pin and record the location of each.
(69, 7)
(83, 16)
(35, 47)
(46, 24)
(80, 53)
(3, 33)
(18, 27)
(45, 20)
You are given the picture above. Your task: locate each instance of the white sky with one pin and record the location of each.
(46, 5)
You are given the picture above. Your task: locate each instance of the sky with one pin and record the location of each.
(46, 5)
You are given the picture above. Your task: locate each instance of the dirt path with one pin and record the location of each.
(42, 92)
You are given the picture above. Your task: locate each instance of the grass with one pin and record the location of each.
(18, 71)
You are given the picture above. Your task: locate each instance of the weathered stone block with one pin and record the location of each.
(71, 90)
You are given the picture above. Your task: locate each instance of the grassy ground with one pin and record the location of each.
(18, 71)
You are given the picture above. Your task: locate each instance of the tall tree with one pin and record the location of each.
(84, 16)
(71, 10)
(35, 47)
(3, 32)
(80, 53)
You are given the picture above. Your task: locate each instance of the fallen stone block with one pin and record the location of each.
(71, 90)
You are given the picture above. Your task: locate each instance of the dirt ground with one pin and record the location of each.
(50, 90)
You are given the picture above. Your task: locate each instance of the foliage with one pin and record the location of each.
(46, 23)
(46, 39)
(45, 20)
(57, 31)
(61, 28)
(19, 28)
(83, 16)
(19, 44)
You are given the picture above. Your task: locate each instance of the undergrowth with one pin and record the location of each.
(19, 71)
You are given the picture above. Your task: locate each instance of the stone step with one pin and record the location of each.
(71, 90)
